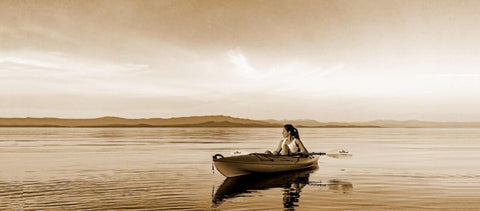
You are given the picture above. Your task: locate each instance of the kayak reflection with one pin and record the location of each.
(291, 182)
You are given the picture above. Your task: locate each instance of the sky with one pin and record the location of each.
(322, 60)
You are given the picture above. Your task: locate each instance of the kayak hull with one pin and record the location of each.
(262, 164)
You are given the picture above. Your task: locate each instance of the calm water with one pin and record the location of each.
(170, 168)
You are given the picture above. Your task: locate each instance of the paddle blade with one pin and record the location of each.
(341, 154)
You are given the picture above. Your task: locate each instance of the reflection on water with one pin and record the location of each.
(291, 193)
(291, 183)
(144, 190)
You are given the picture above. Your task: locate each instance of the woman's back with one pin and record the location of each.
(292, 145)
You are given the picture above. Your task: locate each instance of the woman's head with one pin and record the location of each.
(290, 130)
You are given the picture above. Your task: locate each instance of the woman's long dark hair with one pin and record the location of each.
(292, 130)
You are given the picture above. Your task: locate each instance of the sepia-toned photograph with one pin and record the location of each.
(239, 105)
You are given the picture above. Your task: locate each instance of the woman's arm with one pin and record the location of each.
(301, 146)
(279, 148)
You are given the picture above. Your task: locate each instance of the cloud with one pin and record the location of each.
(54, 72)
(56, 63)
(286, 76)
(240, 61)
(472, 76)
(26, 62)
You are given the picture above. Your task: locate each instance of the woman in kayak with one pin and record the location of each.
(291, 144)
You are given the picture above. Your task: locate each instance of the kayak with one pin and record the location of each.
(259, 163)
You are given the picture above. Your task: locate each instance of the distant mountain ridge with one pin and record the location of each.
(193, 121)
(381, 123)
(221, 121)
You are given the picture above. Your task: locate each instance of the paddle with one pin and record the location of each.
(342, 154)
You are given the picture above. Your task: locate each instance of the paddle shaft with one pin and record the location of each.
(332, 155)
(317, 153)
(311, 153)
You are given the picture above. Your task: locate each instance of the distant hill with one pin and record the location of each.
(419, 124)
(315, 124)
(303, 122)
(380, 123)
(194, 121)
(222, 121)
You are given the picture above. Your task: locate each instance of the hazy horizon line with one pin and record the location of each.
(221, 115)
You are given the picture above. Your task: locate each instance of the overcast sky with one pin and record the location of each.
(322, 60)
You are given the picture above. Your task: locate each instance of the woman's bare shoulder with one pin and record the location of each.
(298, 140)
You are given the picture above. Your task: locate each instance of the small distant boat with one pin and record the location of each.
(259, 163)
